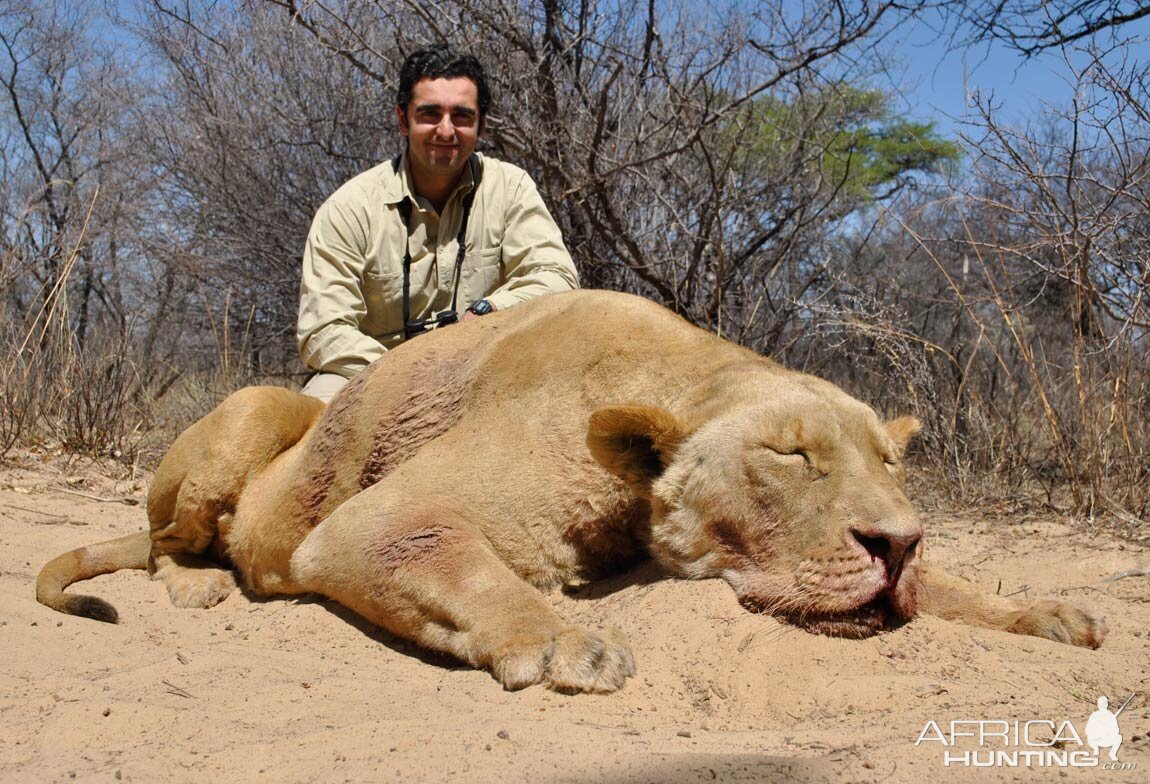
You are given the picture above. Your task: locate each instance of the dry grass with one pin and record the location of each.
(94, 399)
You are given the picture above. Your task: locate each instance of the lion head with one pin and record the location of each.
(790, 490)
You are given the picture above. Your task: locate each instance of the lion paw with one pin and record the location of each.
(1061, 622)
(198, 588)
(572, 661)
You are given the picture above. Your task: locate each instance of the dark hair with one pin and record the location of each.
(441, 62)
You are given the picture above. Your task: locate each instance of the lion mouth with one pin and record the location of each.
(875, 616)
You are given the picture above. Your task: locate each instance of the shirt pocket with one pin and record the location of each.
(383, 296)
(482, 274)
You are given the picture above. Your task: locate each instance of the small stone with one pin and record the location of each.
(1137, 634)
(229, 627)
(503, 734)
(684, 733)
(107, 712)
(487, 747)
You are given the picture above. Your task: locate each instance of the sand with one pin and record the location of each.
(292, 690)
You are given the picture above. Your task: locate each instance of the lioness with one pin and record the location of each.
(542, 446)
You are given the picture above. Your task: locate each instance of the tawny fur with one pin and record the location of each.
(546, 445)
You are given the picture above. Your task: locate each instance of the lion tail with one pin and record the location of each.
(126, 552)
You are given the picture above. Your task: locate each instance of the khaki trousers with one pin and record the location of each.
(324, 386)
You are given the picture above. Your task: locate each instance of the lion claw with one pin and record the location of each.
(571, 662)
(199, 588)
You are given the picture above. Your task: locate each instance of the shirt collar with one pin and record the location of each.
(398, 187)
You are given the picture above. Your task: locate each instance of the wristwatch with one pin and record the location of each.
(481, 307)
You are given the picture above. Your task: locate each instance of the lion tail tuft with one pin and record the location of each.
(126, 552)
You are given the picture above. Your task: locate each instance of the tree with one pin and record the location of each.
(256, 126)
(697, 161)
(72, 202)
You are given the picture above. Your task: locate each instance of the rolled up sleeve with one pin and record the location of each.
(332, 303)
(535, 260)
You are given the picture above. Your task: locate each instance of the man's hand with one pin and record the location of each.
(479, 308)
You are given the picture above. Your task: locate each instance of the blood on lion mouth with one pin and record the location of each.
(866, 620)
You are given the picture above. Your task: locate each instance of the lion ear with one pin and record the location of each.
(902, 430)
(636, 443)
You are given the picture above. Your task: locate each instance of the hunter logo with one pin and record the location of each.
(1038, 743)
(1102, 729)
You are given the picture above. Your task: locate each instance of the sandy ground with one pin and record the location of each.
(302, 691)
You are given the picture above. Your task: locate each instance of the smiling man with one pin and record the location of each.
(407, 245)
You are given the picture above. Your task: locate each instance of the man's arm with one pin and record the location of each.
(332, 303)
(535, 260)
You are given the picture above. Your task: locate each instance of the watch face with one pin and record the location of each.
(481, 307)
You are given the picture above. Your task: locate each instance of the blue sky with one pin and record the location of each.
(931, 78)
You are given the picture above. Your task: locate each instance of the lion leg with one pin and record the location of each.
(198, 483)
(955, 599)
(427, 574)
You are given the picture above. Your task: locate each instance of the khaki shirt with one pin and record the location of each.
(351, 293)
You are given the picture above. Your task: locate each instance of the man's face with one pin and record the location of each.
(442, 126)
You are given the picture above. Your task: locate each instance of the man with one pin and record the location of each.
(402, 247)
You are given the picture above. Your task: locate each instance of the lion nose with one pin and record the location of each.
(893, 547)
